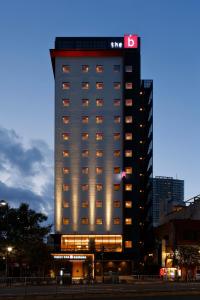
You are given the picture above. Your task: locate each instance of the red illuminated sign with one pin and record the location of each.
(130, 41)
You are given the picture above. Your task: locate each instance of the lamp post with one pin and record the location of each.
(3, 204)
(8, 251)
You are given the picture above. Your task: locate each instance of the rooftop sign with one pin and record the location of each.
(130, 41)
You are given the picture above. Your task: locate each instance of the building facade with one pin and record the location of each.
(103, 154)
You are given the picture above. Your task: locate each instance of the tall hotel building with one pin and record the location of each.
(103, 155)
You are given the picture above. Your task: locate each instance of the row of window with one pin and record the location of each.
(99, 204)
(100, 103)
(99, 119)
(99, 136)
(99, 170)
(99, 187)
(99, 85)
(99, 221)
(98, 68)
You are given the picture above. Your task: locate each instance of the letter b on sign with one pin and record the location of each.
(130, 41)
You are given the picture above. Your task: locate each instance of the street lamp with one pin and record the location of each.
(3, 203)
(8, 251)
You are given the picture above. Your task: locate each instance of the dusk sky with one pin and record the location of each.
(170, 55)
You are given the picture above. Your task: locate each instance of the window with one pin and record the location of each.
(65, 119)
(66, 102)
(129, 102)
(99, 153)
(128, 119)
(116, 170)
(99, 68)
(117, 85)
(99, 119)
(116, 204)
(99, 102)
(65, 221)
(99, 221)
(128, 170)
(65, 136)
(84, 204)
(128, 153)
(117, 102)
(65, 170)
(84, 187)
(65, 153)
(117, 119)
(99, 85)
(128, 136)
(85, 85)
(129, 69)
(99, 136)
(116, 136)
(99, 170)
(85, 68)
(128, 85)
(84, 221)
(85, 170)
(99, 203)
(116, 153)
(99, 187)
(65, 85)
(85, 102)
(128, 187)
(85, 136)
(66, 69)
(85, 153)
(128, 244)
(65, 204)
(116, 221)
(85, 119)
(128, 204)
(65, 187)
(116, 187)
(116, 68)
(128, 221)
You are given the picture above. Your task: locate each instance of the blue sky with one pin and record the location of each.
(170, 33)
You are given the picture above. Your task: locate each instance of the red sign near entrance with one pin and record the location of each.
(130, 41)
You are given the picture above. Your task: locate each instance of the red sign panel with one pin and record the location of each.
(130, 41)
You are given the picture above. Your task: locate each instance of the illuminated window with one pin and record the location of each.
(65, 221)
(116, 170)
(65, 136)
(129, 69)
(117, 102)
(128, 153)
(99, 102)
(99, 136)
(85, 136)
(99, 119)
(85, 102)
(128, 170)
(84, 204)
(85, 170)
(85, 85)
(65, 204)
(128, 119)
(99, 170)
(65, 85)
(65, 153)
(128, 187)
(116, 136)
(99, 85)
(99, 68)
(117, 85)
(66, 69)
(116, 68)
(84, 221)
(128, 136)
(128, 85)
(65, 170)
(99, 203)
(84, 187)
(116, 221)
(99, 221)
(65, 119)
(128, 244)
(116, 204)
(85, 68)
(85, 153)
(128, 221)
(116, 187)
(129, 102)
(99, 153)
(128, 204)
(66, 102)
(99, 187)
(65, 187)
(117, 119)
(116, 153)
(85, 119)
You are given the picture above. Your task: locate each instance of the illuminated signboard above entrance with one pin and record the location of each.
(71, 257)
(130, 41)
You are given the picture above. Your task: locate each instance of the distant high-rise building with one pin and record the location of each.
(167, 193)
